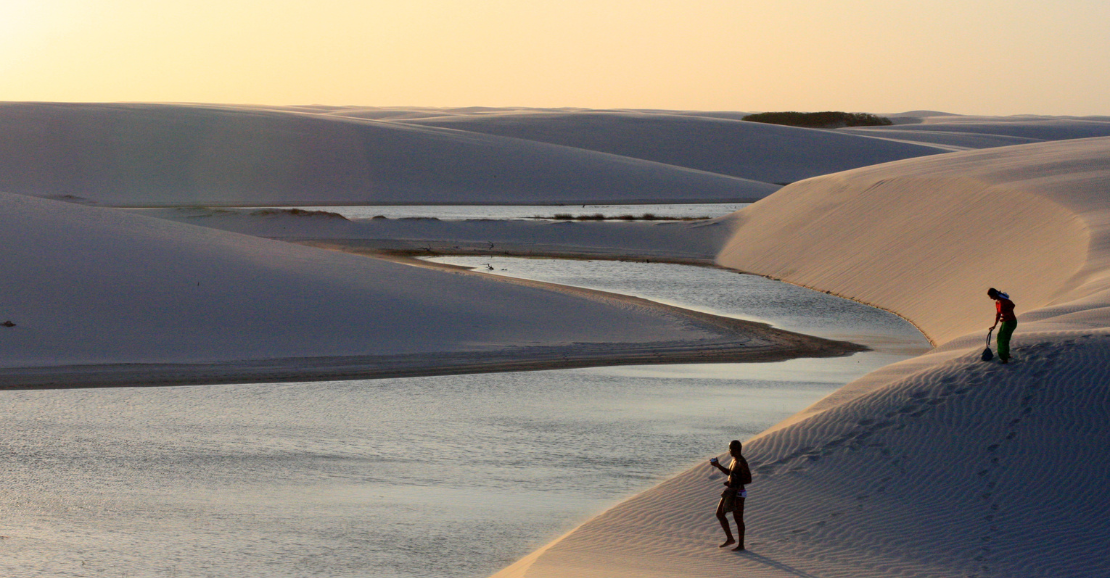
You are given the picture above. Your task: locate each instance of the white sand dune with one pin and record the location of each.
(159, 155)
(404, 112)
(915, 116)
(978, 132)
(938, 466)
(762, 152)
(953, 140)
(102, 296)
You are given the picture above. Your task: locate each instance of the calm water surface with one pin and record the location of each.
(452, 476)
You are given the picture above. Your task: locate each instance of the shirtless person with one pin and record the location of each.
(732, 499)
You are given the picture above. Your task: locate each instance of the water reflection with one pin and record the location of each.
(723, 292)
(453, 476)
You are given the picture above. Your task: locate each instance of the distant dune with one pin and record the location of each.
(164, 155)
(976, 132)
(768, 153)
(919, 113)
(942, 465)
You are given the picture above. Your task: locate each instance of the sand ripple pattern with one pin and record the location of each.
(948, 472)
(939, 466)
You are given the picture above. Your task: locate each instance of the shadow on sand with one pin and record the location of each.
(775, 564)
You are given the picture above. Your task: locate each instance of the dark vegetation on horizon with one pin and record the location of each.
(827, 119)
(601, 217)
(298, 213)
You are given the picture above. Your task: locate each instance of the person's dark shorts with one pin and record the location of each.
(734, 501)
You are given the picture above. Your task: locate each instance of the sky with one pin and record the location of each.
(882, 56)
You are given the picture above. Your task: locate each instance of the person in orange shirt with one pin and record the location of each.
(1006, 315)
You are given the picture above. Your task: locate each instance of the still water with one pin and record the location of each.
(458, 212)
(720, 292)
(452, 476)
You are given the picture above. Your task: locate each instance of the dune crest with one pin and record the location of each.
(762, 152)
(977, 132)
(172, 155)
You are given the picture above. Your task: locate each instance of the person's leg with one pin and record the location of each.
(738, 513)
(1004, 334)
(724, 523)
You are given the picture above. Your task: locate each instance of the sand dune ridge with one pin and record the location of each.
(940, 465)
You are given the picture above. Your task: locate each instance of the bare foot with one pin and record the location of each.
(739, 548)
(728, 542)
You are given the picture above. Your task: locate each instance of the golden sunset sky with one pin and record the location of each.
(980, 57)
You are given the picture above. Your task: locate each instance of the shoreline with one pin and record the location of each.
(732, 344)
(371, 367)
(412, 257)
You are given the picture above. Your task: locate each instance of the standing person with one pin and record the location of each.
(732, 499)
(1009, 322)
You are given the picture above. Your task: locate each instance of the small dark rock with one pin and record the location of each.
(8, 323)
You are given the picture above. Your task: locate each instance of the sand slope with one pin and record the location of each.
(97, 295)
(912, 236)
(769, 153)
(938, 466)
(159, 155)
(977, 132)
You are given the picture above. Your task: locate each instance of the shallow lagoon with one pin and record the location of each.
(395, 477)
